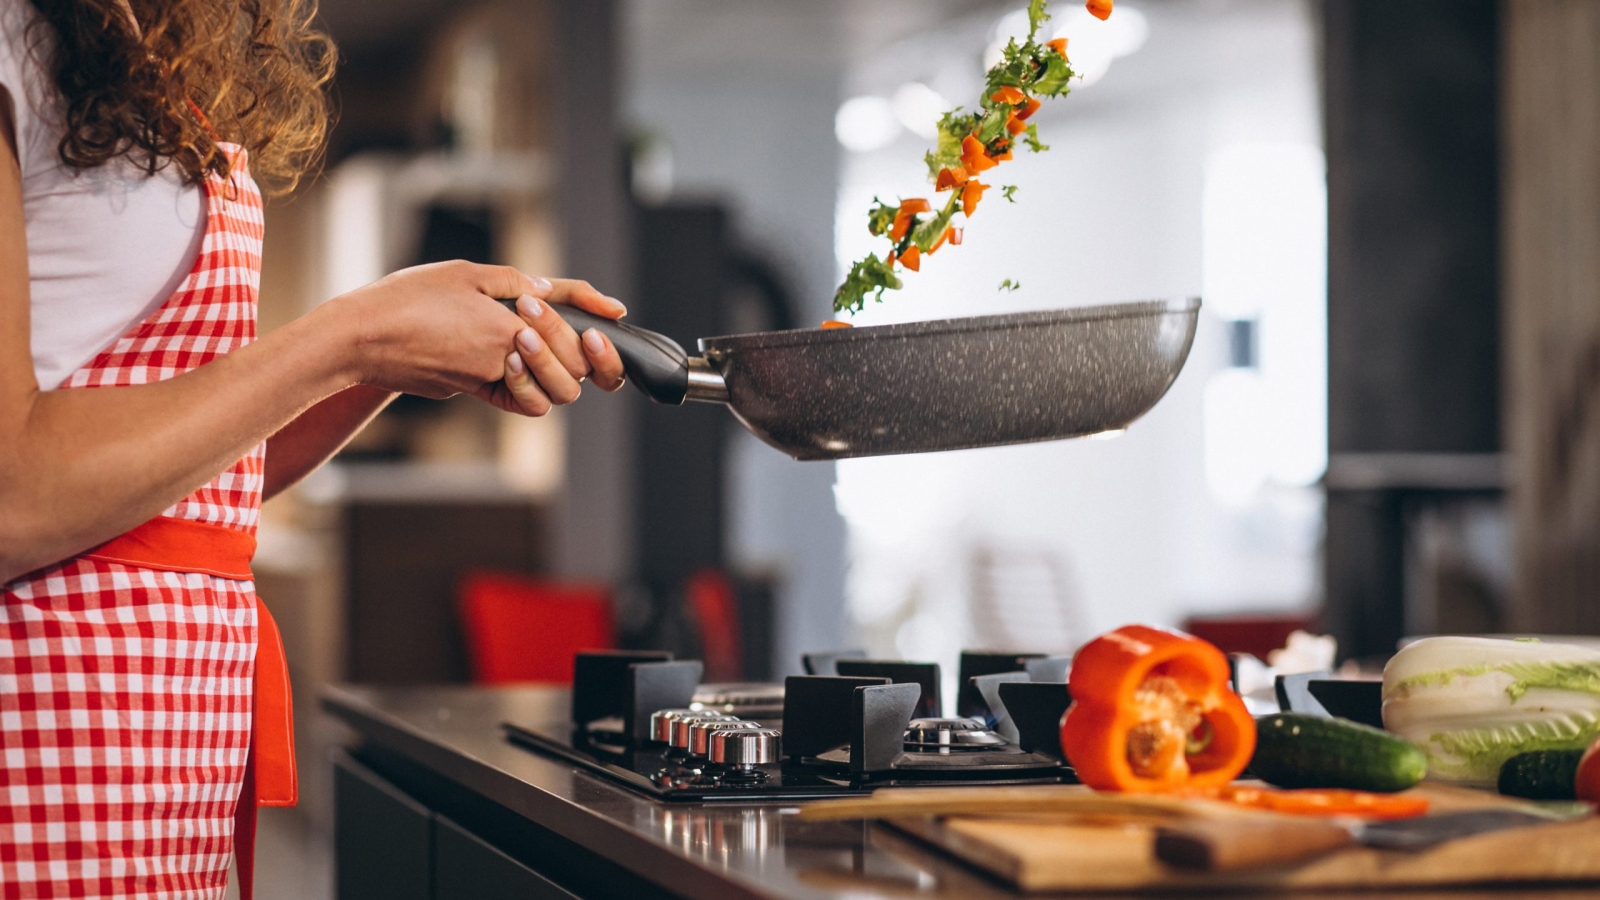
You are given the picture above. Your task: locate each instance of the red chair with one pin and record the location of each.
(521, 629)
(1257, 634)
(714, 603)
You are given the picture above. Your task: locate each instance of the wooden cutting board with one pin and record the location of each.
(1034, 853)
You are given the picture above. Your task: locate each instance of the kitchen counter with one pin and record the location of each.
(433, 803)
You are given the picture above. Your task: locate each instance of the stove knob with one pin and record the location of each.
(700, 734)
(680, 726)
(745, 747)
(661, 723)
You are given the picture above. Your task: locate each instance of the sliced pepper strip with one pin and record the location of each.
(1033, 104)
(950, 178)
(943, 236)
(973, 157)
(915, 205)
(1008, 95)
(1327, 802)
(902, 224)
(970, 195)
(1100, 9)
(1136, 685)
(912, 258)
(1059, 45)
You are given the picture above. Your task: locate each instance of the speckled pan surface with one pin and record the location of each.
(955, 383)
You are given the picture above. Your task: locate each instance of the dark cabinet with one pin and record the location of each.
(383, 839)
(466, 868)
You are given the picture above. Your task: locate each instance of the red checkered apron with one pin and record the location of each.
(126, 673)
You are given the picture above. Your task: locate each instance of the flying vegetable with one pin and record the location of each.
(969, 144)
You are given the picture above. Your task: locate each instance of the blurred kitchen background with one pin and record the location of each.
(1389, 424)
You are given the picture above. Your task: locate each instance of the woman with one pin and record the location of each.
(141, 423)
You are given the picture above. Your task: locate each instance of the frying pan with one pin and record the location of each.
(948, 384)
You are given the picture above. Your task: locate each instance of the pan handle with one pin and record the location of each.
(655, 363)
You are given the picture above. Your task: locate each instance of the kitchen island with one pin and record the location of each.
(433, 803)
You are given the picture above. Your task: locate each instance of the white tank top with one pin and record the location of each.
(106, 246)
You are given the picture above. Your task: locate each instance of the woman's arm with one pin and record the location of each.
(533, 383)
(317, 434)
(79, 467)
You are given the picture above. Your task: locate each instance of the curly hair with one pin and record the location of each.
(163, 88)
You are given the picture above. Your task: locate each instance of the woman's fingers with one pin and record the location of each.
(521, 394)
(551, 374)
(556, 333)
(583, 295)
(505, 282)
(605, 364)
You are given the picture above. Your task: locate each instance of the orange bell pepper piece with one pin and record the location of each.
(1015, 125)
(890, 261)
(915, 205)
(973, 156)
(835, 323)
(1059, 45)
(1100, 9)
(1009, 95)
(1033, 104)
(956, 234)
(904, 219)
(912, 258)
(970, 195)
(1327, 802)
(950, 178)
(1152, 711)
(940, 242)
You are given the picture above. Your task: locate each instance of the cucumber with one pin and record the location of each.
(1301, 751)
(1541, 775)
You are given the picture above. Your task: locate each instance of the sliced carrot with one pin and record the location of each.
(1008, 94)
(912, 258)
(970, 195)
(1059, 45)
(973, 156)
(950, 178)
(1015, 125)
(915, 205)
(1033, 104)
(835, 323)
(1100, 9)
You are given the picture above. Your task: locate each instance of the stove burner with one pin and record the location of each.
(950, 736)
(645, 721)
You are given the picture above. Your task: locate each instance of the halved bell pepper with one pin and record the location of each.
(1151, 711)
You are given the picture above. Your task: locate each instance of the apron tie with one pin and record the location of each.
(179, 545)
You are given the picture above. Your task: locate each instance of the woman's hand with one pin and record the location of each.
(551, 360)
(435, 331)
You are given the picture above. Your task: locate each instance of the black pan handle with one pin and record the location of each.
(655, 363)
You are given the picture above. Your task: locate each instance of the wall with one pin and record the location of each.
(1551, 241)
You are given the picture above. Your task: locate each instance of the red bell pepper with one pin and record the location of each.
(1152, 710)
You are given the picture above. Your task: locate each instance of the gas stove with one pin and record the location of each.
(850, 726)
